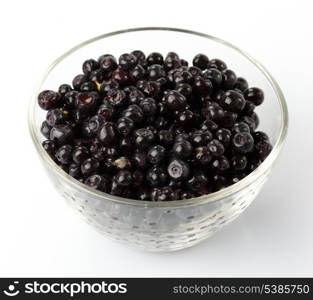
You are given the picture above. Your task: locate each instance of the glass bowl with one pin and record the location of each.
(163, 226)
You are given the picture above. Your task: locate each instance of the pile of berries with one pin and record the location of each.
(154, 128)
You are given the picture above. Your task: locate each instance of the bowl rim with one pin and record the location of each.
(246, 181)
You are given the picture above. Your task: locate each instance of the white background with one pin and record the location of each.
(41, 236)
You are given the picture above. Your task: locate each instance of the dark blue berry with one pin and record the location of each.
(127, 61)
(184, 88)
(176, 184)
(243, 142)
(111, 152)
(86, 102)
(74, 170)
(181, 136)
(219, 181)
(253, 163)
(149, 88)
(125, 126)
(49, 146)
(263, 149)
(182, 77)
(250, 122)
(106, 111)
(186, 118)
(232, 101)
(163, 194)
(184, 63)
(61, 134)
(229, 79)
(198, 183)
(217, 96)
(255, 95)
(200, 137)
(138, 178)
(156, 154)
(255, 118)
(194, 71)
(216, 148)
(143, 138)
(64, 88)
(178, 169)
(133, 112)
(116, 97)
(126, 145)
(239, 162)
(45, 129)
(70, 99)
(202, 86)
(89, 66)
(172, 61)
(140, 159)
(209, 125)
(94, 124)
(107, 85)
(57, 116)
(202, 155)
(215, 76)
(78, 81)
(186, 195)
(88, 86)
(89, 166)
(120, 76)
(107, 62)
(240, 127)
(165, 138)
(217, 64)
(97, 76)
(135, 96)
(156, 176)
(64, 154)
(201, 61)
(98, 182)
(213, 111)
(241, 84)
(144, 194)
(260, 136)
(155, 72)
(80, 154)
(123, 178)
(148, 106)
(249, 108)
(155, 58)
(220, 164)
(182, 149)
(137, 73)
(49, 99)
(228, 119)
(107, 134)
(140, 57)
(223, 135)
(175, 100)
